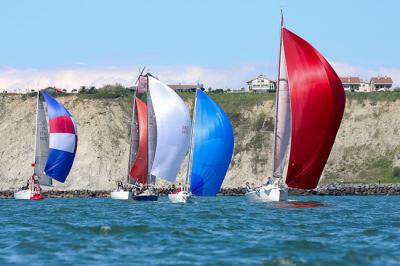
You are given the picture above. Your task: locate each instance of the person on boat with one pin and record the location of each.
(248, 188)
(26, 187)
(179, 188)
(120, 186)
(36, 186)
(269, 181)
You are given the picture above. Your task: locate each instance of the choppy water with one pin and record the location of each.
(220, 230)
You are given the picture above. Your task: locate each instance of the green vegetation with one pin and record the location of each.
(378, 168)
(396, 172)
(105, 92)
(373, 97)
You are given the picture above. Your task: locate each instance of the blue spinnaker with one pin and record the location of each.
(212, 146)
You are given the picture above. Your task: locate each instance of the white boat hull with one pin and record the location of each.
(268, 193)
(180, 197)
(23, 194)
(121, 195)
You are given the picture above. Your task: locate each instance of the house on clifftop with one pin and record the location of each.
(351, 83)
(261, 84)
(186, 87)
(374, 84)
(381, 83)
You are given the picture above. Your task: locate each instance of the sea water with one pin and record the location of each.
(312, 230)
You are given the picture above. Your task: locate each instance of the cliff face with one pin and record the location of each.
(367, 148)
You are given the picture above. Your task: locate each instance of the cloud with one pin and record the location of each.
(233, 77)
(81, 75)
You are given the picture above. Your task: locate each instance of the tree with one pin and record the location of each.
(82, 89)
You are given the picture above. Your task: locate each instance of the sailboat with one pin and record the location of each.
(168, 126)
(211, 149)
(55, 149)
(138, 158)
(310, 102)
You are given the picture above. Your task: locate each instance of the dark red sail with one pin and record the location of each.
(317, 101)
(139, 168)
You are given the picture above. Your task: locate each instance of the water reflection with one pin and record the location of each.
(294, 204)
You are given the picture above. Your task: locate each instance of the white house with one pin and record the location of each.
(364, 86)
(381, 83)
(261, 84)
(374, 84)
(351, 83)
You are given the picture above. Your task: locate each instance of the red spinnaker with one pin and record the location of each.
(140, 166)
(317, 105)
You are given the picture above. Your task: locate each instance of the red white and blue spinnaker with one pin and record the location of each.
(63, 140)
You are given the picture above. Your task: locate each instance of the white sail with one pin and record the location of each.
(152, 137)
(173, 130)
(41, 144)
(282, 119)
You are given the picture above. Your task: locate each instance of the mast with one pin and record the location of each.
(274, 163)
(36, 130)
(189, 165)
(131, 136)
(150, 133)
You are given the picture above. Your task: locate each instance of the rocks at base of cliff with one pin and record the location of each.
(326, 190)
(357, 189)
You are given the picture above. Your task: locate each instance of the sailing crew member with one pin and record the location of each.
(248, 188)
(26, 187)
(120, 186)
(269, 181)
(36, 185)
(179, 189)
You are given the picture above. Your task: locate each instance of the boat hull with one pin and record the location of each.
(268, 193)
(23, 194)
(145, 197)
(121, 195)
(27, 195)
(180, 197)
(37, 197)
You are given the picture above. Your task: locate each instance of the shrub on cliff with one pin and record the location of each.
(396, 171)
(105, 92)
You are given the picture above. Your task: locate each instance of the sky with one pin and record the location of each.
(224, 43)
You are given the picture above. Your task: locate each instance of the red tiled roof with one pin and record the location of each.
(350, 80)
(381, 80)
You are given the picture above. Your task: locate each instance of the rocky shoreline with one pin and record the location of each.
(350, 190)
(325, 190)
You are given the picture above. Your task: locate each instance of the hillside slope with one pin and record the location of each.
(367, 148)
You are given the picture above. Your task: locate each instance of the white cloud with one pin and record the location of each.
(82, 75)
(234, 77)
